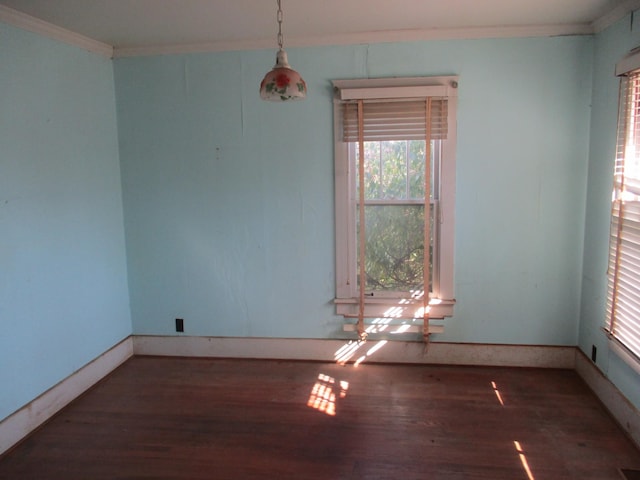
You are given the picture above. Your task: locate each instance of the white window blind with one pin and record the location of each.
(396, 120)
(623, 299)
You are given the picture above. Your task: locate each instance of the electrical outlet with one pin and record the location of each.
(594, 352)
(179, 325)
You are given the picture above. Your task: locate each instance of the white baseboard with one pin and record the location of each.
(372, 351)
(19, 424)
(627, 415)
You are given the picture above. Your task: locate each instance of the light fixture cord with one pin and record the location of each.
(279, 17)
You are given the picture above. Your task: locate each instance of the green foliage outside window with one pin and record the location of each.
(394, 218)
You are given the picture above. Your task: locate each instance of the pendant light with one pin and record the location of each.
(282, 83)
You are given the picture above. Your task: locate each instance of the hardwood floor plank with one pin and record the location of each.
(179, 418)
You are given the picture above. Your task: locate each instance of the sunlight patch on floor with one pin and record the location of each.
(523, 460)
(497, 392)
(325, 392)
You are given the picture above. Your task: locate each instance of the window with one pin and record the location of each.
(395, 175)
(623, 299)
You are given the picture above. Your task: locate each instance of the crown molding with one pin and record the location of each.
(366, 38)
(35, 25)
(204, 47)
(614, 15)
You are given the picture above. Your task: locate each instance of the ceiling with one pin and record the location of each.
(231, 24)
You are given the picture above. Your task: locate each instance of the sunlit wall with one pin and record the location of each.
(228, 201)
(610, 46)
(229, 211)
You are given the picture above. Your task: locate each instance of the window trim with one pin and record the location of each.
(442, 299)
(619, 329)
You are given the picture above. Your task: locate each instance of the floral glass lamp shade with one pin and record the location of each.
(282, 83)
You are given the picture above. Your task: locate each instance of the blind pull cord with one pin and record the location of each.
(362, 334)
(426, 270)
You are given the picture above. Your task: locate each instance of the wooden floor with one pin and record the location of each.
(175, 418)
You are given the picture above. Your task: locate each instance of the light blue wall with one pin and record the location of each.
(63, 283)
(230, 226)
(610, 46)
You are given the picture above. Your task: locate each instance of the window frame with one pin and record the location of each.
(442, 298)
(623, 276)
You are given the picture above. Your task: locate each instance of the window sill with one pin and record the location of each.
(406, 308)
